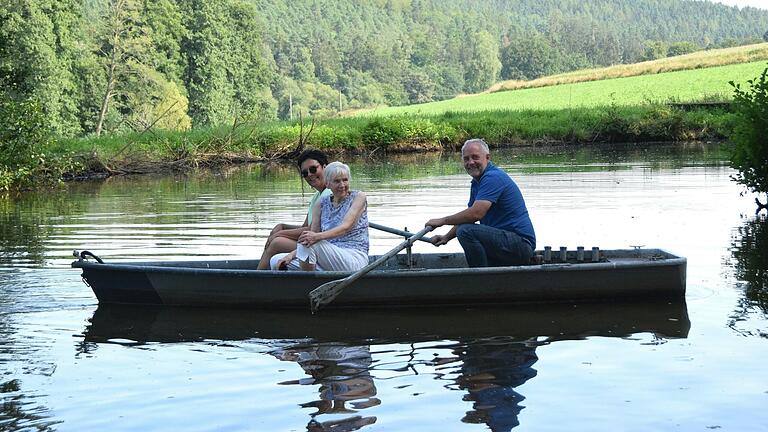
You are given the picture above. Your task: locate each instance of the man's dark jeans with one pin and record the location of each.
(486, 246)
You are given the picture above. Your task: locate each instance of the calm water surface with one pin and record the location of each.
(68, 364)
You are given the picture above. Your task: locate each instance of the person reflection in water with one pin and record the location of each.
(490, 372)
(346, 385)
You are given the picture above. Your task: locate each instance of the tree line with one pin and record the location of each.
(96, 66)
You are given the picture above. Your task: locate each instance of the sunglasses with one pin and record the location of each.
(312, 170)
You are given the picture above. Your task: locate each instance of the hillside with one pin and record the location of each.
(97, 67)
(400, 52)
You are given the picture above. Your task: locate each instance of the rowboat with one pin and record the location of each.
(406, 279)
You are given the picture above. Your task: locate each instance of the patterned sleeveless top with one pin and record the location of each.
(331, 217)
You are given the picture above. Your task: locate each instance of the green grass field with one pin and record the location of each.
(696, 60)
(678, 86)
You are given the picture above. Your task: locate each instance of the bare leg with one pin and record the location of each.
(276, 246)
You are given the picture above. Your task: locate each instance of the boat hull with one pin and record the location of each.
(432, 280)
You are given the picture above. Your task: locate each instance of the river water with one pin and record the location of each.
(68, 364)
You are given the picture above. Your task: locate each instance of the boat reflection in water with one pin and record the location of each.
(491, 350)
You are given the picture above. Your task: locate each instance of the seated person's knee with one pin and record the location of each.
(274, 261)
(464, 230)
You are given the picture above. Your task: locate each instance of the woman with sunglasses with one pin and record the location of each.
(283, 237)
(338, 237)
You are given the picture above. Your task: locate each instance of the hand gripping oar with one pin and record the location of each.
(328, 291)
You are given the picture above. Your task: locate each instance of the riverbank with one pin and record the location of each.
(179, 151)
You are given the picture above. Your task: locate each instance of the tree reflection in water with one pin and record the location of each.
(749, 254)
(343, 373)
(26, 227)
(19, 409)
(18, 412)
(21, 241)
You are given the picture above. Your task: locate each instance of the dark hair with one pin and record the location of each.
(312, 154)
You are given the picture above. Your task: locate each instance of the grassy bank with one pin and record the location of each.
(142, 153)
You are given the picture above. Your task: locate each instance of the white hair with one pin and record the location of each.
(334, 169)
(479, 141)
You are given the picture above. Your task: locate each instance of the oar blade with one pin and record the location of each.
(325, 294)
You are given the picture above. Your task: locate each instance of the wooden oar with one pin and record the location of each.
(396, 231)
(328, 291)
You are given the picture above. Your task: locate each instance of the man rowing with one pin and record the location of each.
(505, 234)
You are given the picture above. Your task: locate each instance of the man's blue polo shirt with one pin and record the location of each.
(508, 210)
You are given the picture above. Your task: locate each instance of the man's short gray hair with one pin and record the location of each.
(479, 141)
(334, 169)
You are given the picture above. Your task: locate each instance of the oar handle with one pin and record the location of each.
(390, 230)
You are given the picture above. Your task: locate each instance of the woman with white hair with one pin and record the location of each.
(338, 237)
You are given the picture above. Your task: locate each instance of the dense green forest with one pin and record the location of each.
(96, 66)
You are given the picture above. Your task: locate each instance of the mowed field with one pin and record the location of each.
(696, 60)
(677, 86)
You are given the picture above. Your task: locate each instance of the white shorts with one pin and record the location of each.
(325, 256)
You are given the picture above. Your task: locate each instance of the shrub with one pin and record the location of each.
(23, 136)
(383, 132)
(614, 126)
(749, 151)
(662, 123)
(335, 137)
(406, 132)
(28, 155)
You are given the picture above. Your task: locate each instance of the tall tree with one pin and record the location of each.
(166, 24)
(481, 61)
(226, 73)
(528, 58)
(123, 46)
(205, 71)
(249, 65)
(36, 58)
